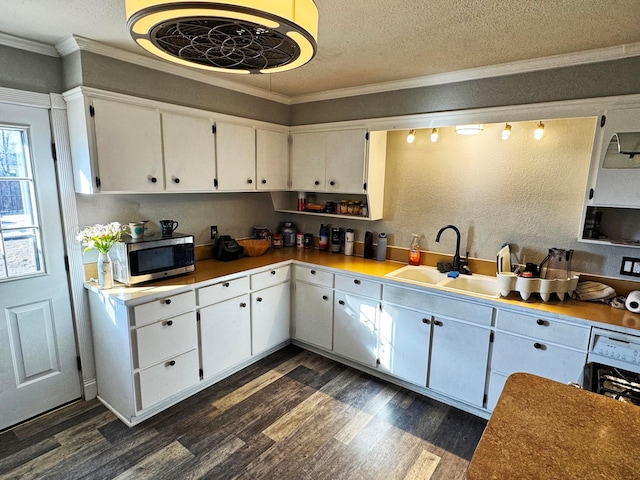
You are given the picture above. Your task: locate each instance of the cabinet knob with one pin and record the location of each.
(313, 272)
(243, 305)
(539, 346)
(426, 320)
(176, 180)
(273, 272)
(438, 323)
(341, 302)
(167, 301)
(324, 297)
(316, 183)
(171, 363)
(225, 284)
(357, 282)
(249, 181)
(542, 323)
(259, 299)
(153, 179)
(332, 183)
(168, 323)
(264, 182)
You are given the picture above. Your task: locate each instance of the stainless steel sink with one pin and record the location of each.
(423, 275)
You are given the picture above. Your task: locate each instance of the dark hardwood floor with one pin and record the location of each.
(292, 415)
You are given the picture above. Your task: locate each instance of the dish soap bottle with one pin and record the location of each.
(414, 250)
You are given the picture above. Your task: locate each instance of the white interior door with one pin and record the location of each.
(38, 369)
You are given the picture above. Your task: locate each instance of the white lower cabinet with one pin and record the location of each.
(542, 346)
(405, 337)
(225, 335)
(270, 323)
(313, 315)
(355, 328)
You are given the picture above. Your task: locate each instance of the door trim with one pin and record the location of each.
(57, 108)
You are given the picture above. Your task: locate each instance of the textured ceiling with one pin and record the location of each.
(363, 42)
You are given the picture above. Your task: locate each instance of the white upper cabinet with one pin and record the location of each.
(272, 160)
(617, 160)
(308, 153)
(128, 144)
(236, 157)
(189, 153)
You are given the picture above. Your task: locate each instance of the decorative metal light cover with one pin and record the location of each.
(241, 36)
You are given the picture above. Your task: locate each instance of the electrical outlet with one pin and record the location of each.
(630, 266)
(214, 232)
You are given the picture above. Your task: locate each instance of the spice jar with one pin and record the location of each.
(357, 208)
(276, 239)
(350, 208)
(344, 207)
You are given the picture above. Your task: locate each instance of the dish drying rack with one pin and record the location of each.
(508, 282)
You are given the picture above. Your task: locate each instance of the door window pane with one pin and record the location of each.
(20, 239)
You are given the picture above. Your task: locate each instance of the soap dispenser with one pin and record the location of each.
(414, 250)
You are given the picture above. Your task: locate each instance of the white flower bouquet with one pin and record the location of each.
(100, 237)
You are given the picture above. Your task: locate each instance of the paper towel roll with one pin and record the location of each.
(633, 302)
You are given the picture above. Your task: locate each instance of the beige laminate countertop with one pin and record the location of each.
(207, 270)
(541, 429)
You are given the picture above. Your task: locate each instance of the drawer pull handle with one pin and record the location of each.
(264, 182)
(153, 179)
(273, 272)
(259, 299)
(438, 323)
(313, 272)
(249, 181)
(225, 284)
(176, 180)
(357, 282)
(168, 323)
(171, 363)
(243, 305)
(167, 301)
(539, 346)
(324, 297)
(426, 320)
(542, 323)
(332, 183)
(316, 183)
(341, 302)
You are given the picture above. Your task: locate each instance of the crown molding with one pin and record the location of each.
(75, 43)
(522, 66)
(28, 45)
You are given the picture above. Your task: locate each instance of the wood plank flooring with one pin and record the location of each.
(293, 415)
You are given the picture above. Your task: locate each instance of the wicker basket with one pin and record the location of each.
(254, 248)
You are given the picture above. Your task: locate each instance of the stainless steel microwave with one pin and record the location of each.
(152, 257)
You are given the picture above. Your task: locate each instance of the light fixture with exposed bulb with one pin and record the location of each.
(539, 131)
(434, 135)
(412, 136)
(506, 131)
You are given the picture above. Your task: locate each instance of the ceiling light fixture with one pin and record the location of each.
(434, 135)
(238, 36)
(469, 129)
(506, 131)
(412, 136)
(539, 131)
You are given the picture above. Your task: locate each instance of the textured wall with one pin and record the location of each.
(29, 71)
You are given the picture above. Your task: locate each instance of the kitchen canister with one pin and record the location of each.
(381, 249)
(288, 231)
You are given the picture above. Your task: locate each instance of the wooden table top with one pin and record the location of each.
(541, 429)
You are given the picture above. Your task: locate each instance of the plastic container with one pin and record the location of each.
(414, 250)
(381, 250)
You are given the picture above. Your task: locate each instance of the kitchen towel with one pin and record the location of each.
(633, 302)
(594, 292)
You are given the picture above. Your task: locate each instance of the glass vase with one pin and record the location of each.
(105, 271)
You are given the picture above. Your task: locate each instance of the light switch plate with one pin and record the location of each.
(630, 266)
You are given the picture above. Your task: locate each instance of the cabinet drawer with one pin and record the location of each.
(165, 307)
(313, 275)
(518, 354)
(222, 291)
(575, 336)
(434, 304)
(270, 278)
(359, 286)
(167, 378)
(165, 339)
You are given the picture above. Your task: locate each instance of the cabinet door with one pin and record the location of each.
(346, 154)
(272, 160)
(459, 356)
(270, 317)
(308, 151)
(189, 153)
(128, 147)
(313, 315)
(355, 328)
(236, 157)
(404, 343)
(225, 335)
